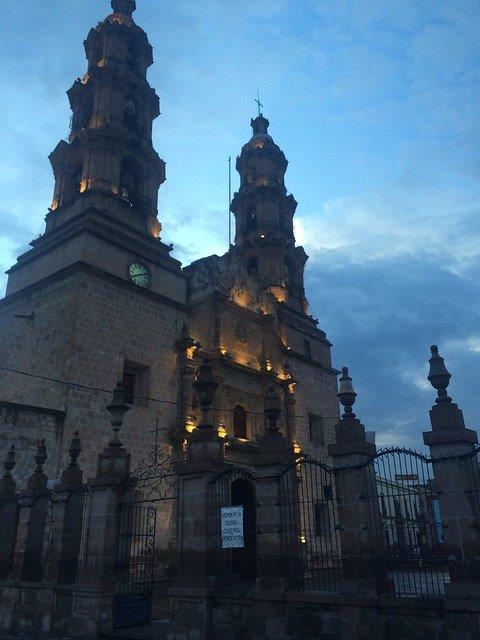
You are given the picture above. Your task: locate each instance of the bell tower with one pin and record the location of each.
(104, 212)
(109, 159)
(264, 218)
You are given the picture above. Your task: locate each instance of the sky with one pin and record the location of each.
(376, 104)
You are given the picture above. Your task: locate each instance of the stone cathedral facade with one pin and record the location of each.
(98, 297)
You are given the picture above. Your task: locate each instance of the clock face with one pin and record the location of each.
(139, 274)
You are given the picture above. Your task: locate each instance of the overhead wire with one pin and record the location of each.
(136, 397)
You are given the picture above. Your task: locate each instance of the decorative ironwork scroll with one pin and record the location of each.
(154, 478)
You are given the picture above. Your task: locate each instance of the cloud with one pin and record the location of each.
(376, 105)
(398, 220)
(472, 344)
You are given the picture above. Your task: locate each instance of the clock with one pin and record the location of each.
(139, 274)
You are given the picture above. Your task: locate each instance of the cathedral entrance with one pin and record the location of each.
(145, 535)
(233, 532)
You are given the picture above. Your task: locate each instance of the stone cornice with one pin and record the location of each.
(56, 413)
(96, 222)
(99, 273)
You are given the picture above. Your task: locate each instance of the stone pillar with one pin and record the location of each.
(275, 452)
(71, 481)
(34, 602)
(457, 476)
(354, 484)
(9, 512)
(94, 592)
(8, 516)
(186, 346)
(192, 590)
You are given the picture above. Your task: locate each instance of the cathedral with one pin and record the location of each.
(98, 297)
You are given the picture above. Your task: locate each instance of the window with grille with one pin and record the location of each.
(316, 429)
(239, 422)
(307, 349)
(136, 378)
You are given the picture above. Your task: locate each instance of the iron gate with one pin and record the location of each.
(310, 532)
(406, 533)
(135, 563)
(142, 536)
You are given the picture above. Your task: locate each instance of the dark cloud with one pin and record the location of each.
(382, 317)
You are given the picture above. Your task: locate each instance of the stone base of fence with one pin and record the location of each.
(313, 616)
(75, 611)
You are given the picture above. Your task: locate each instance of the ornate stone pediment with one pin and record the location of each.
(228, 275)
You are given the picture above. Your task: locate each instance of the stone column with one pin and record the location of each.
(275, 452)
(95, 588)
(9, 512)
(34, 603)
(192, 590)
(8, 515)
(355, 492)
(186, 346)
(70, 481)
(457, 476)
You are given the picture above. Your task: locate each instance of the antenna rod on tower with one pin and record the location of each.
(229, 201)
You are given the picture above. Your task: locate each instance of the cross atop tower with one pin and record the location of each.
(259, 104)
(127, 7)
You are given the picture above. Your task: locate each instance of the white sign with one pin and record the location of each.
(232, 527)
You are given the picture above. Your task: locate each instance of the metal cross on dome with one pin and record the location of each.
(259, 104)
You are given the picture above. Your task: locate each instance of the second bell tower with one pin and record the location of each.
(264, 218)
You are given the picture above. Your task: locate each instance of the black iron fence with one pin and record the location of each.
(309, 527)
(406, 533)
(135, 563)
(474, 473)
(74, 532)
(38, 536)
(37, 529)
(9, 512)
(146, 526)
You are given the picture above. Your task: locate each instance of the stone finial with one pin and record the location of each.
(272, 409)
(75, 449)
(38, 480)
(346, 394)
(72, 475)
(41, 456)
(438, 376)
(127, 7)
(117, 409)
(7, 485)
(10, 462)
(205, 386)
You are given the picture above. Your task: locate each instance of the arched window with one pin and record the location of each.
(288, 271)
(251, 223)
(252, 266)
(130, 175)
(77, 179)
(130, 113)
(239, 422)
